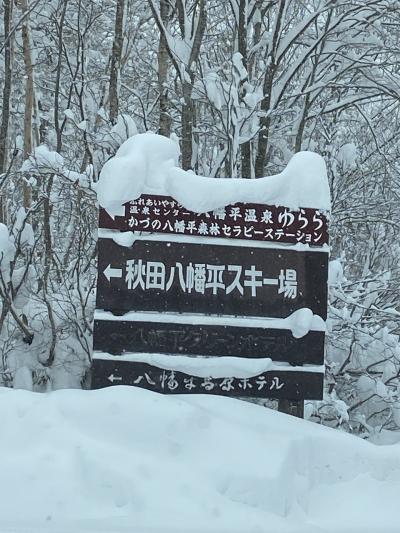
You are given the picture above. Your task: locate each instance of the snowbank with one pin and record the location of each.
(146, 163)
(128, 460)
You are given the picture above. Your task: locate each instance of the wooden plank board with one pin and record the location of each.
(256, 222)
(188, 277)
(117, 337)
(293, 385)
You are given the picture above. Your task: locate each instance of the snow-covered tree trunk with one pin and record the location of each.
(245, 148)
(163, 64)
(184, 53)
(271, 66)
(5, 112)
(60, 44)
(116, 55)
(30, 128)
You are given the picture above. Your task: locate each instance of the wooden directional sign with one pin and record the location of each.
(254, 222)
(211, 279)
(275, 384)
(121, 336)
(211, 284)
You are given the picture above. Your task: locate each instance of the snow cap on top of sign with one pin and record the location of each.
(140, 165)
(146, 163)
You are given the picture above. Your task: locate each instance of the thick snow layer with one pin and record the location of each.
(303, 183)
(7, 251)
(125, 460)
(43, 158)
(347, 156)
(7, 247)
(210, 367)
(140, 165)
(299, 323)
(335, 273)
(27, 237)
(123, 129)
(146, 163)
(204, 367)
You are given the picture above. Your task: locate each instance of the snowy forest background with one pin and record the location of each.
(242, 84)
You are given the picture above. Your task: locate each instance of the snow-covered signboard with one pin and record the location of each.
(211, 286)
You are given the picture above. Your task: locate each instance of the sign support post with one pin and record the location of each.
(291, 407)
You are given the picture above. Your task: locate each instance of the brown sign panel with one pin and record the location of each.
(120, 336)
(292, 385)
(198, 278)
(255, 222)
(167, 276)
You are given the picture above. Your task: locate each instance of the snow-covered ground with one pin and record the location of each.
(128, 460)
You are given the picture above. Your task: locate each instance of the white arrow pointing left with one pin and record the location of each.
(113, 378)
(110, 272)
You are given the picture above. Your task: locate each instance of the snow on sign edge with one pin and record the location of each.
(147, 163)
(300, 322)
(210, 367)
(303, 183)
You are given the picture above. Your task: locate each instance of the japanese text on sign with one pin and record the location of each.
(235, 221)
(257, 222)
(169, 380)
(209, 278)
(270, 384)
(200, 277)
